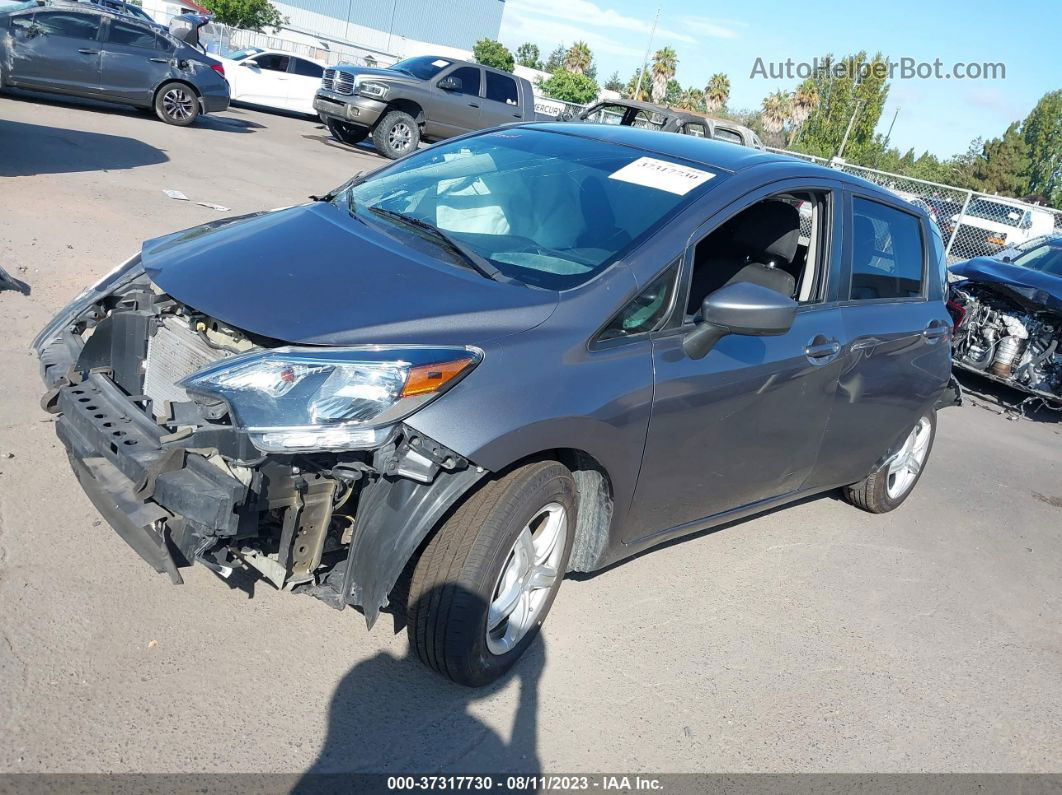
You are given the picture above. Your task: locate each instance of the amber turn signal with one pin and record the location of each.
(428, 378)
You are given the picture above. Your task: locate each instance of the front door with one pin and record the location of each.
(458, 110)
(745, 423)
(56, 50)
(133, 61)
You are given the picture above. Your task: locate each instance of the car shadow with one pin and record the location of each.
(1002, 399)
(31, 149)
(392, 714)
(205, 121)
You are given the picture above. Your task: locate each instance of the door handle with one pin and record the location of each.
(159, 60)
(936, 330)
(89, 52)
(821, 350)
(473, 104)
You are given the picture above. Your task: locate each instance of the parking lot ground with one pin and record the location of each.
(812, 638)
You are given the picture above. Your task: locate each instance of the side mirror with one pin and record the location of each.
(741, 308)
(450, 83)
(250, 63)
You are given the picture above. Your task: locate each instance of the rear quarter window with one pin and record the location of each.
(888, 256)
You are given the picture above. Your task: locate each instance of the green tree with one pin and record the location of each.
(1042, 132)
(614, 83)
(665, 62)
(1003, 166)
(691, 99)
(578, 58)
(717, 92)
(555, 61)
(493, 53)
(673, 93)
(247, 14)
(570, 87)
(776, 112)
(853, 90)
(527, 54)
(646, 86)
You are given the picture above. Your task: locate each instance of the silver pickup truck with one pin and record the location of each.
(424, 98)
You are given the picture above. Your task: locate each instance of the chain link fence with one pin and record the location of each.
(218, 39)
(972, 224)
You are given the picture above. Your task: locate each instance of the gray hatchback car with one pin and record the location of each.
(87, 51)
(516, 354)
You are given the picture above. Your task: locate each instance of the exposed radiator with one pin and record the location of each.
(175, 352)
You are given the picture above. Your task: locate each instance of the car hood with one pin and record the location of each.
(1032, 289)
(313, 275)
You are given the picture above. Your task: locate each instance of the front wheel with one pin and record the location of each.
(176, 103)
(889, 485)
(347, 133)
(396, 134)
(485, 582)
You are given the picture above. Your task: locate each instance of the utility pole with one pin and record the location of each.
(848, 129)
(892, 124)
(645, 63)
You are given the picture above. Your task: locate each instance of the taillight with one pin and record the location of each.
(219, 68)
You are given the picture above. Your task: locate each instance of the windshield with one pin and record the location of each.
(546, 209)
(7, 6)
(239, 55)
(993, 211)
(424, 67)
(1046, 259)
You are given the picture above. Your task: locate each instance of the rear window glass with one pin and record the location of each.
(131, 35)
(307, 68)
(887, 252)
(501, 88)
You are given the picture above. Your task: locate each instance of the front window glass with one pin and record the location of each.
(547, 209)
(424, 67)
(239, 55)
(994, 211)
(71, 25)
(1046, 259)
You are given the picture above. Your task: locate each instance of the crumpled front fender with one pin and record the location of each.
(394, 516)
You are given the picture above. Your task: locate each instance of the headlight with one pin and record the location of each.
(371, 89)
(308, 399)
(125, 272)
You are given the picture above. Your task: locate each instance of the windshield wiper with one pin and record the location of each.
(336, 191)
(478, 262)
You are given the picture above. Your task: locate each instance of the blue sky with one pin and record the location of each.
(941, 115)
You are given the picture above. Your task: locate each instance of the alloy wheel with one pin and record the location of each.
(908, 462)
(530, 571)
(400, 137)
(178, 104)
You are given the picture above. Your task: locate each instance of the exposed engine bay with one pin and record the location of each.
(1007, 337)
(181, 481)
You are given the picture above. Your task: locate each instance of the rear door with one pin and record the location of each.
(897, 331)
(501, 100)
(457, 111)
(304, 78)
(132, 61)
(57, 50)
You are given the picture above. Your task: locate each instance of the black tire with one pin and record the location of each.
(872, 493)
(347, 133)
(177, 104)
(389, 136)
(455, 579)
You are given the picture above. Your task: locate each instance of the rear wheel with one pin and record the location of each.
(176, 103)
(396, 134)
(347, 133)
(485, 582)
(888, 486)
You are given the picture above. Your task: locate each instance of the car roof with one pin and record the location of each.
(717, 154)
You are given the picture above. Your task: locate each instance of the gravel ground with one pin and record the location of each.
(813, 638)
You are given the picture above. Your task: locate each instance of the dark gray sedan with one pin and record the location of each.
(86, 51)
(524, 352)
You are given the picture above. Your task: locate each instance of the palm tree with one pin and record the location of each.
(777, 108)
(691, 99)
(665, 62)
(805, 100)
(717, 92)
(578, 58)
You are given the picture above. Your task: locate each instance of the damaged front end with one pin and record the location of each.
(199, 442)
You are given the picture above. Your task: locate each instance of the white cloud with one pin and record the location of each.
(713, 28)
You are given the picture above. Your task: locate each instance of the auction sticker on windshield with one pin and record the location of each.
(662, 175)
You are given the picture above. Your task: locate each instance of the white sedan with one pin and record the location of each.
(272, 78)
